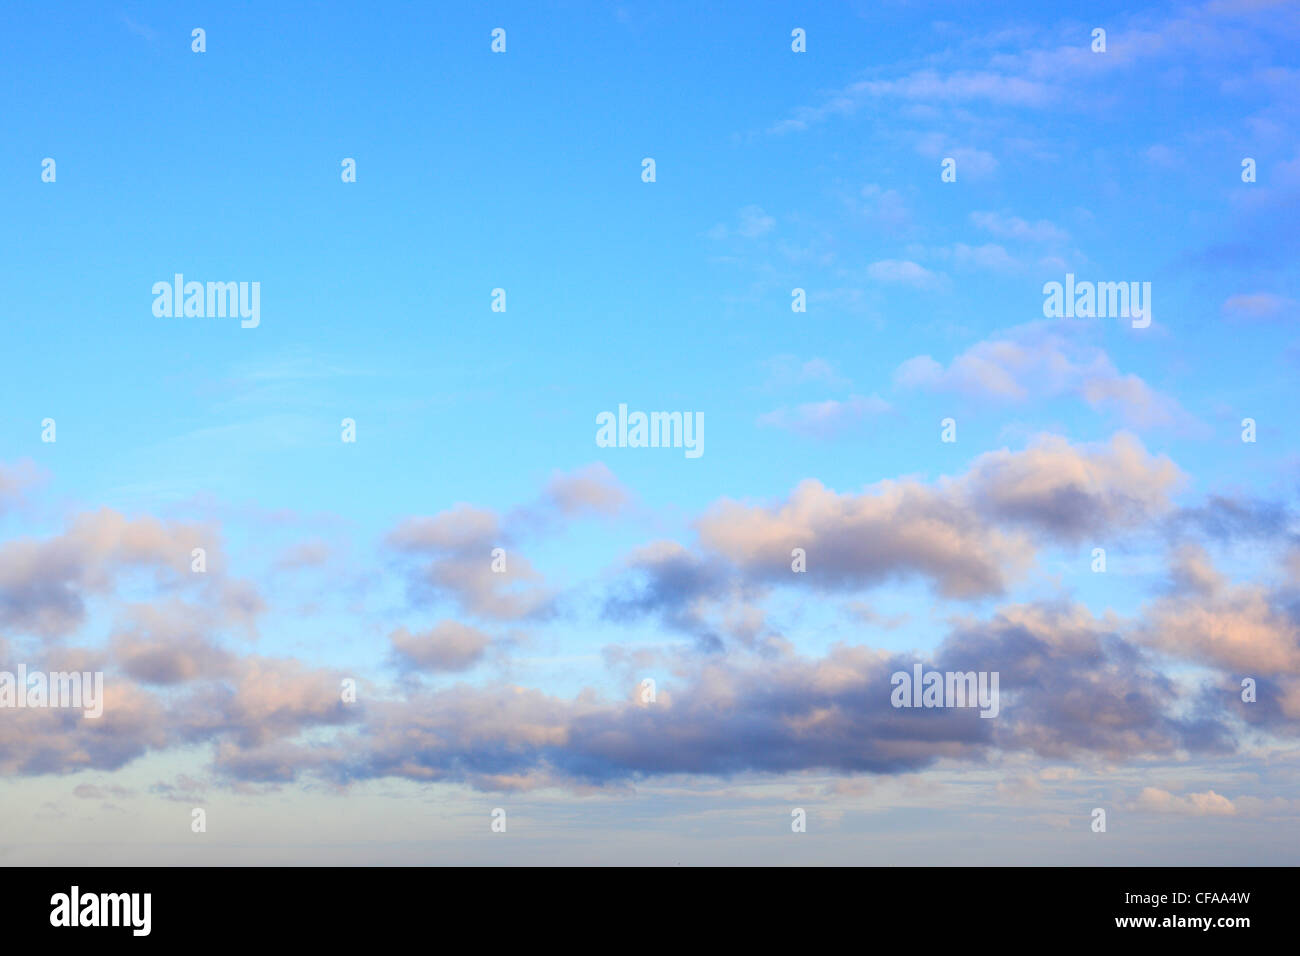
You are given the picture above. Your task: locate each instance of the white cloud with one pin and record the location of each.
(903, 270)
(1035, 361)
(1207, 804)
(752, 223)
(1257, 305)
(1013, 227)
(828, 418)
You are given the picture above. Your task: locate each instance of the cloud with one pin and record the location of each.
(1069, 685)
(1227, 518)
(457, 529)
(266, 699)
(729, 717)
(1207, 804)
(1258, 306)
(786, 371)
(60, 740)
(1073, 492)
(1034, 361)
(903, 271)
(828, 418)
(1161, 155)
(752, 223)
(680, 588)
(589, 490)
(885, 208)
(210, 697)
(449, 556)
(1013, 227)
(750, 704)
(452, 555)
(15, 481)
(88, 791)
(305, 554)
(965, 86)
(1047, 74)
(169, 643)
(891, 530)
(989, 256)
(968, 536)
(971, 162)
(1242, 628)
(1072, 683)
(44, 583)
(447, 646)
(139, 29)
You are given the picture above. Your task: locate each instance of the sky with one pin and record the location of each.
(838, 262)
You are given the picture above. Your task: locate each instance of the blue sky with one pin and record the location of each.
(775, 170)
